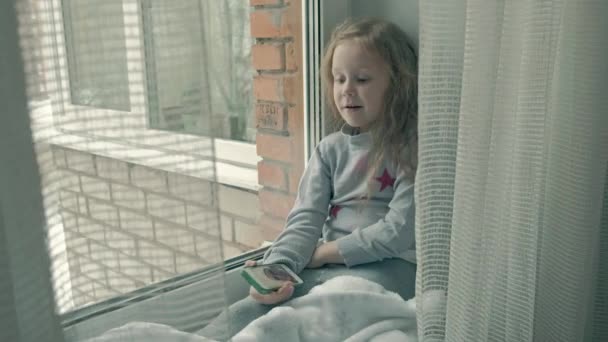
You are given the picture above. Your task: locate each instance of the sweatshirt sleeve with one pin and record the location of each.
(295, 245)
(390, 237)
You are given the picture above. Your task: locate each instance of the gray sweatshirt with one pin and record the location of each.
(333, 205)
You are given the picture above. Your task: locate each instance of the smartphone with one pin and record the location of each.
(268, 278)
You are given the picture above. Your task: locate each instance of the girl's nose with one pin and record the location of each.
(349, 89)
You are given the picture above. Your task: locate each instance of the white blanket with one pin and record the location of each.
(342, 309)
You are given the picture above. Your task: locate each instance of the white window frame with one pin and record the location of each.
(321, 18)
(235, 161)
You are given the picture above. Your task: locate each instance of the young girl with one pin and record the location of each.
(355, 206)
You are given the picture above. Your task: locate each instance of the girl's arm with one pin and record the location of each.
(391, 237)
(296, 244)
(326, 253)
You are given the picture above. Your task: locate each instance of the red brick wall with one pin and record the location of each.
(276, 26)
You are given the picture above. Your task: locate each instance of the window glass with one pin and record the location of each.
(198, 67)
(97, 72)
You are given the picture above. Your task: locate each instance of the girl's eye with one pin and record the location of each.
(362, 79)
(339, 80)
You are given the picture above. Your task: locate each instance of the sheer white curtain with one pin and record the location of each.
(100, 209)
(512, 221)
(25, 288)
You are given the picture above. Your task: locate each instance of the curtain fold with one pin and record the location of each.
(517, 245)
(26, 298)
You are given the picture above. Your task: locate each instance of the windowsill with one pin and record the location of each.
(235, 162)
(225, 173)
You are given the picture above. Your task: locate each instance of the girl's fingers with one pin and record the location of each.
(282, 294)
(250, 263)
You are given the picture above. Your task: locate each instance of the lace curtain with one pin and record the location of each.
(512, 226)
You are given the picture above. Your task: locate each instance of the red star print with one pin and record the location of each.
(385, 180)
(333, 212)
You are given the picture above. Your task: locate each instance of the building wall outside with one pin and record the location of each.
(127, 225)
(276, 26)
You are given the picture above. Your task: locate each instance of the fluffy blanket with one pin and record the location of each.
(342, 309)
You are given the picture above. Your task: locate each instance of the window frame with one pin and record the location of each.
(233, 158)
(229, 154)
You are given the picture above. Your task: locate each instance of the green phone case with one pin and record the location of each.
(255, 284)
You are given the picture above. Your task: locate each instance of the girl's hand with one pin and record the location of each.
(326, 253)
(280, 295)
(317, 260)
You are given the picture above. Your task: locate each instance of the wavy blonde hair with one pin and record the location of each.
(394, 133)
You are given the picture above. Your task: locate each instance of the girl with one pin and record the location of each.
(355, 206)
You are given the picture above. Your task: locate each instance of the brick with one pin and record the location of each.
(294, 176)
(270, 116)
(186, 264)
(128, 196)
(158, 275)
(92, 269)
(231, 251)
(144, 177)
(121, 241)
(292, 58)
(82, 299)
(203, 219)
(69, 221)
(269, 23)
(59, 157)
(120, 282)
(104, 212)
(191, 189)
(176, 238)
(272, 175)
(238, 202)
(274, 147)
(208, 249)
(69, 181)
(252, 235)
(268, 88)
(292, 92)
(73, 268)
(69, 200)
(268, 56)
(271, 223)
(135, 269)
(157, 255)
(166, 208)
(103, 291)
(83, 284)
(264, 2)
(276, 203)
(294, 120)
(83, 205)
(136, 224)
(112, 169)
(77, 244)
(227, 226)
(91, 230)
(96, 188)
(104, 255)
(80, 161)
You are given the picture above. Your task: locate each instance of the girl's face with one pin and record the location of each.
(361, 79)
